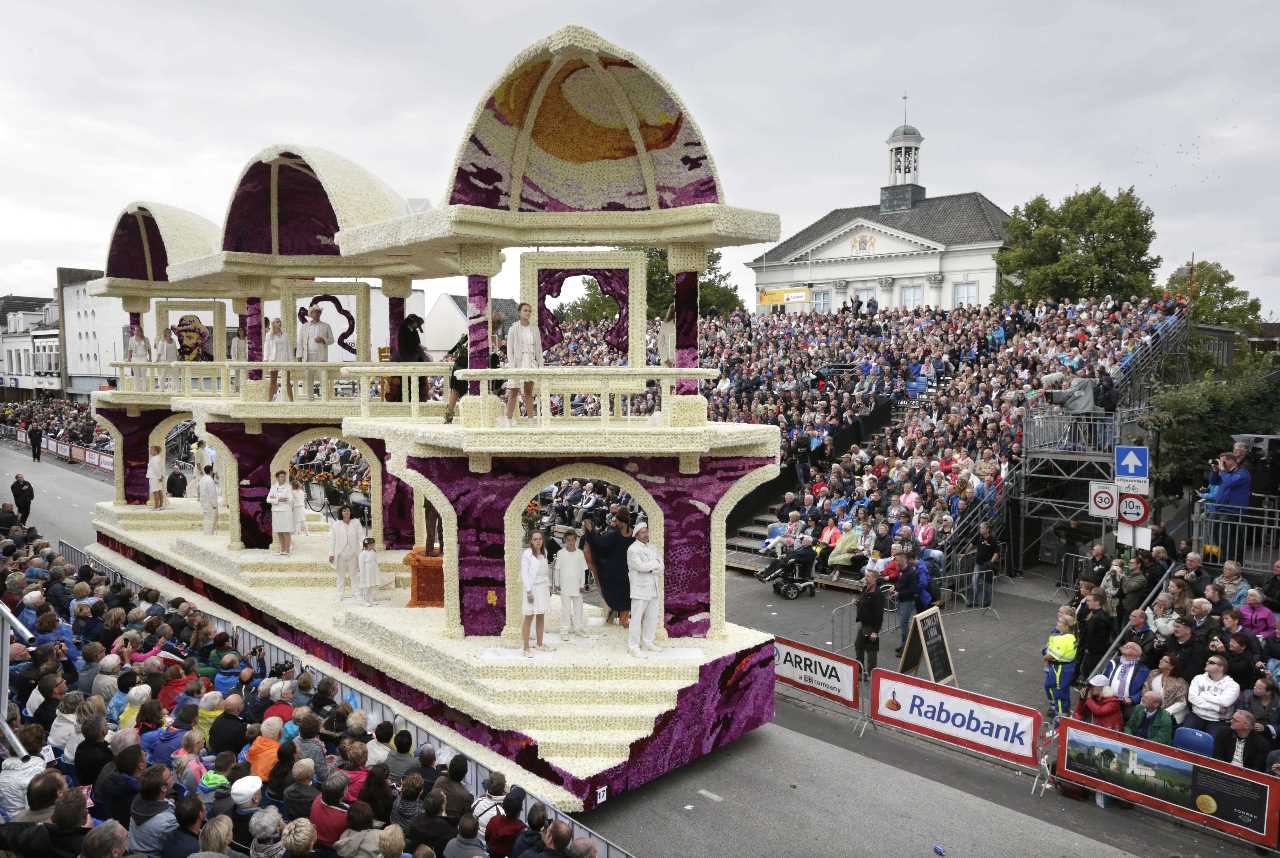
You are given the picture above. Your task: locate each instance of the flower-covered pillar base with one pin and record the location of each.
(254, 452)
(686, 262)
(131, 456)
(685, 501)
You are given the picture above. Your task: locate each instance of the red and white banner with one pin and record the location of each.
(1201, 790)
(808, 668)
(91, 457)
(974, 721)
(21, 435)
(64, 450)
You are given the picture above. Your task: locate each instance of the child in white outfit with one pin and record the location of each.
(569, 578)
(367, 572)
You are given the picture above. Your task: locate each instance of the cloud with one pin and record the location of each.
(108, 103)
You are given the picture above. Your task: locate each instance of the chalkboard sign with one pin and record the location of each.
(928, 638)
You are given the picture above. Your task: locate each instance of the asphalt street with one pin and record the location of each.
(805, 785)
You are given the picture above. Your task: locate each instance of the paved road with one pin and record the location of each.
(65, 493)
(804, 785)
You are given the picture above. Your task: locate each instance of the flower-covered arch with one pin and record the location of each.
(512, 526)
(284, 456)
(292, 200)
(577, 124)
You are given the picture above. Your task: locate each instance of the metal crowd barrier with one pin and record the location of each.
(377, 710)
(1248, 535)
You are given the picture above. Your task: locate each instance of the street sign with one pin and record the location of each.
(1133, 485)
(1138, 537)
(1132, 462)
(1133, 509)
(1103, 500)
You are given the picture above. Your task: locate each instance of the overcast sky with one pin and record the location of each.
(103, 103)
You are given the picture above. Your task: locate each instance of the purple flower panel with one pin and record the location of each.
(481, 501)
(477, 327)
(135, 433)
(686, 328)
(614, 282)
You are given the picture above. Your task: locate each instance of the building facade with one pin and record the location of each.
(30, 355)
(909, 250)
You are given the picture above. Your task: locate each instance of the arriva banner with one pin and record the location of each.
(818, 671)
(973, 721)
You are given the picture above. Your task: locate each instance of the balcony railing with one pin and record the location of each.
(182, 378)
(376, 379)
(612, 387)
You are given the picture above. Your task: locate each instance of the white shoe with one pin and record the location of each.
(636, 652)
(651, 647)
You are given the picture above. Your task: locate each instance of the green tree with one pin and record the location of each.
(593, 306)
(715, 293)
(1214, 301)
(1196, 421)
(1090, 245)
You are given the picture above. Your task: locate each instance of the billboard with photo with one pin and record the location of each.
(1202, 790)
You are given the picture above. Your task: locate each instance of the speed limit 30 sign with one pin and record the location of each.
(1133, 509)
(1103, 500)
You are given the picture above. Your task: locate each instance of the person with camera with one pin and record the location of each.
(1231, 486)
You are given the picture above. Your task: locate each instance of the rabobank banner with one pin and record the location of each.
(973, 721)
(818, 671)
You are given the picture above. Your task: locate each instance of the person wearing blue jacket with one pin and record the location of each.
(160, 744)
(1231, 485)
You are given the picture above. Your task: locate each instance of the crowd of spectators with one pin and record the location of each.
(1204, 655)
(59, 420)
(914, 486)
(143, 731)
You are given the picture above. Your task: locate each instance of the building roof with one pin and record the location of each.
(504, 307)
(21, 303)
(906, 131)
(957, 219)
(71, 276)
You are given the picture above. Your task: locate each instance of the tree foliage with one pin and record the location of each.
(1196, 420)
(1214, 301)
(1090, 245)
(716, 294)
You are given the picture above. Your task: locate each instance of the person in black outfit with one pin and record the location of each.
(1252, 746)
(23, 495)
(35, 436)
(92, 754)
(409, 349)
(1095, 636)
(608, 559)
(1191, 650)
(870, 621)
(986, 551)
(176, 485)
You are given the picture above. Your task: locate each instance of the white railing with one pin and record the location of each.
(180, 378)
(612, 385)
(375, 378)
(302, 381)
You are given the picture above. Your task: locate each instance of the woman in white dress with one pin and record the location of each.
(299, 510)
(275, 349)
(367, 572)
(346, 536)
(535, 583)
(524, 351)
(280, 499)
(667, 337)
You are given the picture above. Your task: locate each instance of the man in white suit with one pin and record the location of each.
(207, 493)
(346, 538)
(643, 568)
(314, 339)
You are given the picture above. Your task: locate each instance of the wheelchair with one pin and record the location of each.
(790, 578)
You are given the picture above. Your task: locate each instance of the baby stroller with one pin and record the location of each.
(790, 576)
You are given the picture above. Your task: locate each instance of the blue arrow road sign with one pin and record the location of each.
(1132, 462)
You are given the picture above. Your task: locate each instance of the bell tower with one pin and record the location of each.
(904, 189)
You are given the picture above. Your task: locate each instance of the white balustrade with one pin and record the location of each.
(613, 385)
(371, 378)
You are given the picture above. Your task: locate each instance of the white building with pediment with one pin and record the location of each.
(909, 250)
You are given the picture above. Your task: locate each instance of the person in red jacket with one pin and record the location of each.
(503, 828)
(1100, 705)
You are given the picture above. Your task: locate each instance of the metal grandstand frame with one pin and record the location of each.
(1063, 453)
